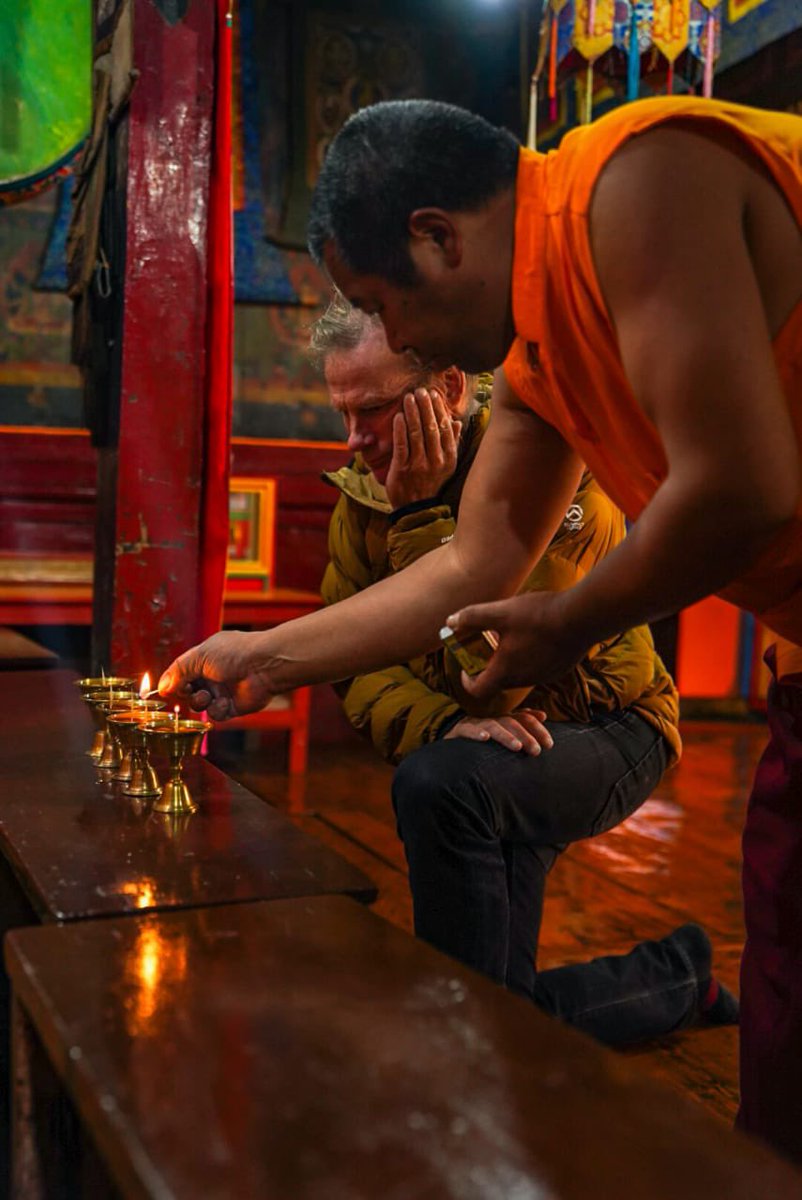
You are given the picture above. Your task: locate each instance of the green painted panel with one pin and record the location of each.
(45, 101)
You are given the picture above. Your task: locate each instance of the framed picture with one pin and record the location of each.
(251, 524)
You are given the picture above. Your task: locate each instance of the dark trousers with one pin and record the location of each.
(771, 970)
(482, 826)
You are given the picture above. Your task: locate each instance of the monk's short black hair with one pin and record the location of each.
(389, 160)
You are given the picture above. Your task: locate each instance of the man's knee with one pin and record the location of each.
(435, 786)
(418, 784)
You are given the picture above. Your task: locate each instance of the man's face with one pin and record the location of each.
(367, 385)
(436, 322)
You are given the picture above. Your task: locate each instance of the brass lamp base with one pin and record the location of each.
(175, 798)
(98, 745)
(111, 757)
(176, 738)
(123, 774)
(144, 781)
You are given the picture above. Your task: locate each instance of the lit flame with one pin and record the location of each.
(176, 712)
(144, 686)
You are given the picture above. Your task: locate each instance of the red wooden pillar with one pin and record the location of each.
(147, 583)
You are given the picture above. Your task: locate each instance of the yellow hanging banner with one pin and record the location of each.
(670, 27)
(593, 27)
(739, 8)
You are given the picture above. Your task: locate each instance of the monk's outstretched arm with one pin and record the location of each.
(519, 487)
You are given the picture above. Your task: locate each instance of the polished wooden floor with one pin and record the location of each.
(676, 859)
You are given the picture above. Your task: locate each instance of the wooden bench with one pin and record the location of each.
(305, 1050)
(73, 846)
(19, 653)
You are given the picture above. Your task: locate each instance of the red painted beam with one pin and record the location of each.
(155, 588)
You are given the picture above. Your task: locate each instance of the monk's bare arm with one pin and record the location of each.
(523, 479)
(668, 225)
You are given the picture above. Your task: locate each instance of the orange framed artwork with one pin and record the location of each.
(251, 529)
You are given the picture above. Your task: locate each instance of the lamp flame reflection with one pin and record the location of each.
(142, 890)
(157, 964)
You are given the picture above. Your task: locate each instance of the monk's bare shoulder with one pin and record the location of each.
(661, 199)
(668, 234)
(678, 197)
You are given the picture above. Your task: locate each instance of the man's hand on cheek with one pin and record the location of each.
(425, 441)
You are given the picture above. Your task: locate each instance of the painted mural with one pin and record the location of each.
(38, 386)
(277, 392)
(281, 127)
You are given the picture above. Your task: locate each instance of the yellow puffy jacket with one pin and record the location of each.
(404, 707)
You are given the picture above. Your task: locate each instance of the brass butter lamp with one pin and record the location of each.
(144, 781)
(175, 738)
(123, 721)
(101, 704)
(101, 683)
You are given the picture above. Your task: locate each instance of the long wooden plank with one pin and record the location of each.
(308, 1049)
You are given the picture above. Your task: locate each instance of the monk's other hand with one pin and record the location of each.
(219, 676)
(535, 642)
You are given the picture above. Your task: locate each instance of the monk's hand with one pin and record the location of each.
(425, 443)
(536, 644)
(522, 730)
(220, 676)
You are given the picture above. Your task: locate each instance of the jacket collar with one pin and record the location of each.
(358, 483)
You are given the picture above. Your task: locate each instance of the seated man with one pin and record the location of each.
(486, 802)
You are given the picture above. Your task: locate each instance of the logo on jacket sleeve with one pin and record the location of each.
(574, 518)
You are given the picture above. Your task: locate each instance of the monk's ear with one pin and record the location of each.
(437, 227)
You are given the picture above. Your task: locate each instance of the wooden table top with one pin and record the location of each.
(308, 1049)
(80, 848)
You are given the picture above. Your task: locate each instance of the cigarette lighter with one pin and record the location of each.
(472, 651)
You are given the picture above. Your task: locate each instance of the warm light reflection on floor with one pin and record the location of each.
(641, 845)
(677, 859)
